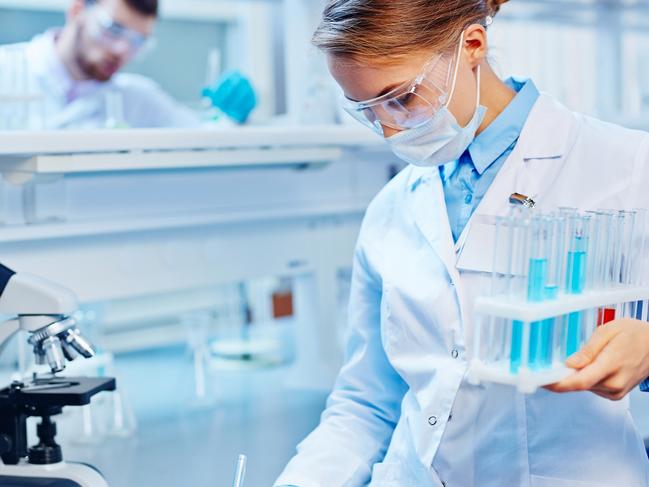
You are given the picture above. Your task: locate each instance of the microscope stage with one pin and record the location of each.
(58, 391)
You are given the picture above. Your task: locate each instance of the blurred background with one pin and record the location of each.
(213, 266)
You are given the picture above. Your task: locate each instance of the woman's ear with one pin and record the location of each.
(475, 44)
(75, 9)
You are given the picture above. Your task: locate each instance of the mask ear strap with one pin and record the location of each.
(478, 83)
(457, 68)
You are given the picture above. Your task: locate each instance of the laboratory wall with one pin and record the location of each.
(590, 55)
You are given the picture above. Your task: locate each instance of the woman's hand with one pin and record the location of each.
(612, 363)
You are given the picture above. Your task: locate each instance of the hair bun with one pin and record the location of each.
(494, 5)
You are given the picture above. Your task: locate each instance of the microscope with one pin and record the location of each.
(43, 309)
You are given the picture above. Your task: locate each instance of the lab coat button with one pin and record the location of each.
(432, 420)
(455, 353)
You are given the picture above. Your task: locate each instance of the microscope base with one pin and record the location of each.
(61, 474)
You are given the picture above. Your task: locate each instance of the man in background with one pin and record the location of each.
(76, 70)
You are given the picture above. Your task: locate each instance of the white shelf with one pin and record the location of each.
(528, 312)
(152, 161)
(30, 143)
(23, 154)
(57, 230)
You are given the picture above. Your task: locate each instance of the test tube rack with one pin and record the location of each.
(556, 278)
(527, 379)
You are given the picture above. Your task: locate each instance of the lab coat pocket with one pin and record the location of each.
(538, 481)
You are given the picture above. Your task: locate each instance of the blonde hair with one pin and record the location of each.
(388, 29)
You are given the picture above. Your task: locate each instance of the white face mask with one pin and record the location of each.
(441, 139)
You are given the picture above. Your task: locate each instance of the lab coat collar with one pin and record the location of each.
(490, 144)
(546, 135)
(533, 165)
(549, 131)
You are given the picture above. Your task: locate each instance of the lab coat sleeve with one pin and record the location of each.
(147, 105)
(365, 405)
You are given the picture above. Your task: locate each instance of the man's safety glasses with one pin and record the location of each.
(116, 37)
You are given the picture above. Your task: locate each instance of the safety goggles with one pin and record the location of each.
(116, 37)
(412, 104)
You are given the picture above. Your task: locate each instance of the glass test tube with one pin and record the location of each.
(616, 248)
(556, 245)
(536, 283)
(520, 288)
(494, 342)
(599, 261)
(639, 259)
(503, 338)
(628, 259)
(576, 271)
(483, 340)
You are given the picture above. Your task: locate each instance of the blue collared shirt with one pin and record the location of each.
(467, 180)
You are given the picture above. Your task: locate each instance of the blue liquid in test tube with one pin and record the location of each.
(547, 330)
(536, 292)
(576, 279)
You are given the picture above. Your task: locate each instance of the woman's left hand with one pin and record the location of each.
(612, 363)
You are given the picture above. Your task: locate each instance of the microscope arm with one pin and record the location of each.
(28, 295)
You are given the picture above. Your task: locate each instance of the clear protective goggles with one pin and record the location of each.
(116, 37)
(415, 102)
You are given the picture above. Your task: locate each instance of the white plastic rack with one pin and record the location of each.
(508, 309)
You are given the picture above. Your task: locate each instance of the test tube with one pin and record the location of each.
(519, 288)
(600, 233)
(597, 244)
(240, 472)
(605, 260)
(491, 337)
(628, 241)
(484, 331)
(536, 283)
(555, 238)
(628, 257)
(639, 258)
(510, 345)
(639, 250)
(617, 248)
(576, 267)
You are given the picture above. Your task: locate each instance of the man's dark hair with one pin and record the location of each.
(145, 7)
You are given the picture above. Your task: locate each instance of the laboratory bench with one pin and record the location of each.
(180, 443)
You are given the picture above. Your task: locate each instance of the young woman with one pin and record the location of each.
(402, 412)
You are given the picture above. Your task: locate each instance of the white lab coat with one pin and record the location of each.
(69, 103)
(402, 412)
